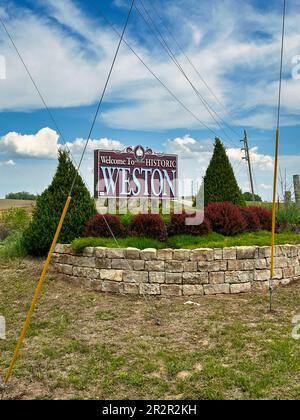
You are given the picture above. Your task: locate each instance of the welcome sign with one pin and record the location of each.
(135, 172)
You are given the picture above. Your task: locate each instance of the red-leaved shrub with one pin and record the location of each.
(97, 226)
(178, 226)
(265, 217)
(226, 218)
(252, 219)
(149, 226)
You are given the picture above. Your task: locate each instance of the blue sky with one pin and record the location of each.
(68, 47)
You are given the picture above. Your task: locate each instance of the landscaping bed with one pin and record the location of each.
(212, 240)
(177, 272)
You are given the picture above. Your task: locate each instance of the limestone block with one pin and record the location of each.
(181, 254)
(115, 253)
(174, 266)
(192, 290)
(239, 276)
(240, 265)
(136, 276)
(195, 278)
(64, 269)
(84, 261)
(149, 289)
(91, 273)
(100, 252)
(262, 275)
(280, 262)
(216, 278)
(149, 254)
(132, 253)
(157, 277)
(288, 273)
(165, 254)
(122, 264)
(218, 254)
(155, 265)
(174, 278)
(229, 253)
(64, 249)
(260, 264)
(190, 266)
(131, 289)
(246, 252)
(171, 290)
(264, 252)
(212, 265)
(138, 265)
(88, 251)
(103, 263)
(240, 288)
(202, 254)
(113, 275)
(210, 289)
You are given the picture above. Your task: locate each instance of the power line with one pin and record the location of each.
(32, 79)
(102, 96)
(63, 215)
(38, 90)
(171, 34)
(152, 26)
(181, 103)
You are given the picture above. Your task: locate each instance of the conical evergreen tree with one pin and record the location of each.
(220, 183)
(49, 206)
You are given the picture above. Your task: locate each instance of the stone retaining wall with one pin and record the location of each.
(177, 272)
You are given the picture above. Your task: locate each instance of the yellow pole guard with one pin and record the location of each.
(274, 205)
(37, 291)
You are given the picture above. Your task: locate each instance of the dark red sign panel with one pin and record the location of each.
(135, 172)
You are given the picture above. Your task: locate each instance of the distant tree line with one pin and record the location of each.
(23, 195)
(248, 197)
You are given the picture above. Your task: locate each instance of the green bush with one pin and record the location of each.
(12, 224)
(13, 246)
(220, 184)
(288, 218)
(15, 219)
(49, 206)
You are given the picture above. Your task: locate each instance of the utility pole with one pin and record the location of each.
(248, 160)
(297, 189)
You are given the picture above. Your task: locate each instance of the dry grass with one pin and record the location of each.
(83, 345)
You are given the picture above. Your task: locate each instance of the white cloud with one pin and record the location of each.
(266, 186)
(77, 146)
(43, 144)
(7, 163)
(195, 154)
(194, 157)
(259, 161)
(243, 72)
